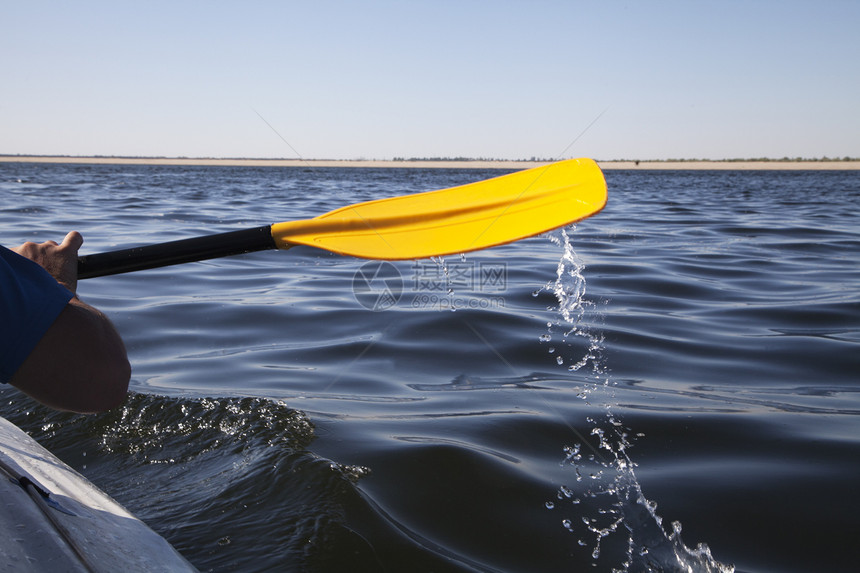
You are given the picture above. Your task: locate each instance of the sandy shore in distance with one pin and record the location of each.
(733, 165)
(606, 165)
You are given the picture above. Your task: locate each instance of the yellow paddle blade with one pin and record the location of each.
(456, 220)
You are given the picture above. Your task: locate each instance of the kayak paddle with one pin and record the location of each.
(435, 223)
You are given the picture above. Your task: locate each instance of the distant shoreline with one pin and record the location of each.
(727, 165)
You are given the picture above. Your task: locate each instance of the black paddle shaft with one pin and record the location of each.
(176, 252)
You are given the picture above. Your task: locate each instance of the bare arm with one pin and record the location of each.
(81, 363)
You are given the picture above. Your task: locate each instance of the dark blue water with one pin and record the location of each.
(672, 385)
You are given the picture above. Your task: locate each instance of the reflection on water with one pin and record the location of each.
(487, 420)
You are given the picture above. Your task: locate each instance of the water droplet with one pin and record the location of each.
(559, 360)
(550, 505)
(551, 349)
(545, 338)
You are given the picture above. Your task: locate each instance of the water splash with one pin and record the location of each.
(615, 521)
(569, 291)
(442, 265)
(569, 286)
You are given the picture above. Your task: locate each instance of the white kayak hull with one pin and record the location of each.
(53, 519)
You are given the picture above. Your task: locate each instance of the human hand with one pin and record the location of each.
(59, 260)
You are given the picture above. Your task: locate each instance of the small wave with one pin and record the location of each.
(198, 470)
(148, 425)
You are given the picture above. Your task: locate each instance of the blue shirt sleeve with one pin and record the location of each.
(30, 301)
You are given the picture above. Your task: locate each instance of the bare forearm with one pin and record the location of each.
(79, 365)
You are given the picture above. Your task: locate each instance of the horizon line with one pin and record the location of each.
(454, 159)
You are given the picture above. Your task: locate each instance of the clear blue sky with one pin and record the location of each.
(376, 80)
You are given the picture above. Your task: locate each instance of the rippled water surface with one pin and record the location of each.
(670, 385)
